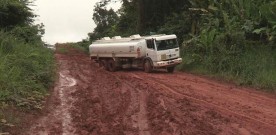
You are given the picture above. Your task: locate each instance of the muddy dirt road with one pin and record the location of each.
(88, 100)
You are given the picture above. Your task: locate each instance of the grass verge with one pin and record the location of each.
(26, 74)
(253, 66)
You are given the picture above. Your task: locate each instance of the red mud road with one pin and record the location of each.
(88, 100)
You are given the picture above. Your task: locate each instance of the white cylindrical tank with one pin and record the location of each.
(118, 48)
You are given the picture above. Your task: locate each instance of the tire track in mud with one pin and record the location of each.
(136, 103)
(270, 115)
(66, 83)
(114, 107)
(166, 86)
(207, 103)
(142, 114)
(171, 112)
(59, 120)
(143, 119)
(163, 118)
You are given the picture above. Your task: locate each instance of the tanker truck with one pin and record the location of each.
(145, 52)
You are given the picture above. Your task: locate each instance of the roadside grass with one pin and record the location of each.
(81, 46)
(78, 47)
(62, 50)
(255, 66)
(26, 74)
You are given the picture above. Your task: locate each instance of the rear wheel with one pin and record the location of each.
(147, 66)
(170, 69)
(104, 64)
(112, 65)
(100, 63)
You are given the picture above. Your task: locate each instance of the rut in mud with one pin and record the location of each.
(91, 101)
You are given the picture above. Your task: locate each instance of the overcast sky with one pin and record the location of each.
(66, 20)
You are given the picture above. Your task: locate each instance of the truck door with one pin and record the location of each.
(151, 50)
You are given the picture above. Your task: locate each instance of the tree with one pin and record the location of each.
(17, 18)
(105, 20)
(15, 12)
(148, 15)
(128, 20)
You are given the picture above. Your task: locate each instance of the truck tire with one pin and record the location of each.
(105, 65)
(147, 66)
(100, 63)
(170, 69)
(112, 65)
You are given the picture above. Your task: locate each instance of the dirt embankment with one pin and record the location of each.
(91, 101)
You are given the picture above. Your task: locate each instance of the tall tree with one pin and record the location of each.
(16, 17)
(105, 20)
(150, 15)
(15, 12)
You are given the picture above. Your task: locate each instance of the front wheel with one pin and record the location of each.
(147, 66)
(170, 69)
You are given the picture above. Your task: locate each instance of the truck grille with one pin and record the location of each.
(163, 57)
(168, 57)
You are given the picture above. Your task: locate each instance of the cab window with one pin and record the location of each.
(150, 44)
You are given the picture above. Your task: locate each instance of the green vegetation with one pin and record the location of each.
(26, 71)
(232, 39)
(236, 41)
(82, 46)
(26, 66)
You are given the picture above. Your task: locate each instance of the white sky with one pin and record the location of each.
(66, 20)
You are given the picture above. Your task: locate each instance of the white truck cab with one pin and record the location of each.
(163, 51)
(148, 52)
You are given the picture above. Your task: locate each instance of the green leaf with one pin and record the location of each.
(212, 8)
(261, 30)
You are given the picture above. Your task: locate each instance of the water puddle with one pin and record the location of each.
(65, 89)
(59, 118)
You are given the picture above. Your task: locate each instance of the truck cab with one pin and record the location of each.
(163, 52)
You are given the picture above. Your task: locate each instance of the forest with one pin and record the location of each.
(26, 66)
(230, 39)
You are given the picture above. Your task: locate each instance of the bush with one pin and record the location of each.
(26, 72)
(232, 57)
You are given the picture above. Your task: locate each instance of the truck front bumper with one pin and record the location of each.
(168, 63)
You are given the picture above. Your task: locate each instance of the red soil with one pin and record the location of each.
(88, 100)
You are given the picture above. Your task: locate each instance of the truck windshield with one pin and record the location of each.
(166, 44)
